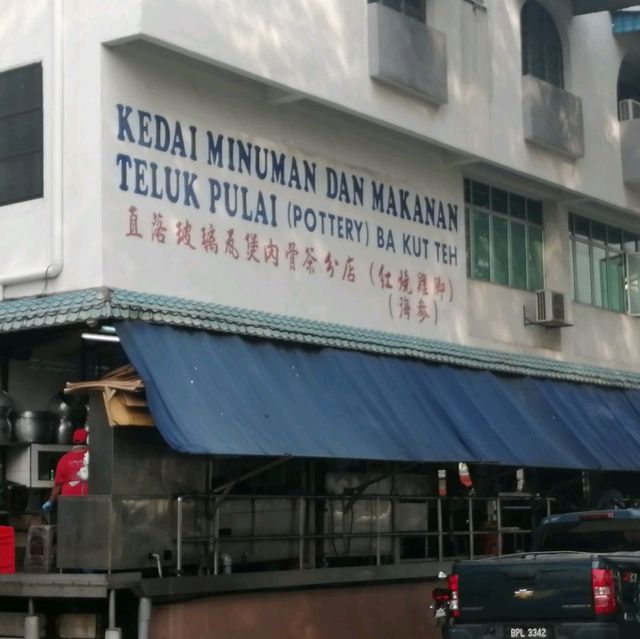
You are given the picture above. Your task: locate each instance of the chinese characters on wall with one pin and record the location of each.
(218, 197)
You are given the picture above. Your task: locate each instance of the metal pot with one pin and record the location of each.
(7, 407)
(69, 408)
(63, 432)
(6, 430)
(7, 417)
(34, 426)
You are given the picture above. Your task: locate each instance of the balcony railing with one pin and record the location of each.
(365, 529)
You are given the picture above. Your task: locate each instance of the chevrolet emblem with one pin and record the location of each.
(523, 593)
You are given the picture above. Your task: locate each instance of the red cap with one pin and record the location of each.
(80, 436)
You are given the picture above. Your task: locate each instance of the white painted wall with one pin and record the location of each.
(319, 49)
(249, 53)
(160, 84)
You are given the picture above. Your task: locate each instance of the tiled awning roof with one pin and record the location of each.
(104, 304)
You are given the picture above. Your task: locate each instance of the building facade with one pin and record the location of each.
(444, 182)
(328, 135)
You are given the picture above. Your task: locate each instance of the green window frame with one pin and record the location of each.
(599, 262)
(504, 237)
(21, 137)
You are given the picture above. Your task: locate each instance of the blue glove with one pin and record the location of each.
(47, 507)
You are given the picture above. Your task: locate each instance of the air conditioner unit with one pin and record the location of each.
(550, 309)
(629, 110)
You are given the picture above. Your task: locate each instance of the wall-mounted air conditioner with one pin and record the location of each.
(550, 309)
(629, 110)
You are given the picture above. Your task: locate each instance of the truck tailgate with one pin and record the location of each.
(513, 589)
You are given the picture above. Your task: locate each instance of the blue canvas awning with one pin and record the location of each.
(227, 395)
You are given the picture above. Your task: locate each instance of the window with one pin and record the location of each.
(412, 8)
(21, 134)
(599, 264)
(504, 237)
(541, 46)
(629, 88)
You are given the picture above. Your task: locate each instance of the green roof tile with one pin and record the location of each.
(107, 304)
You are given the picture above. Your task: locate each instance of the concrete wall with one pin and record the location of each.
(299, 78)
(366, 612)
(552, 117)
(407, 54)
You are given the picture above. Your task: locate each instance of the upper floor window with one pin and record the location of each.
(21, 134)
(599, 267)
(412, 8)
(541, 46)
(504, 237)
(629, 88)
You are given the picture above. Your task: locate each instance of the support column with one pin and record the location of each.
(144, 617)
(112, 632)
(31, 623)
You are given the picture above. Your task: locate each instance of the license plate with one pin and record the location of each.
(528, 632)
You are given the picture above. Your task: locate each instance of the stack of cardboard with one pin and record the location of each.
(123, 394)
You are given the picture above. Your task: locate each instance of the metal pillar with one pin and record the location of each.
(144, 617)
(31, 623)
(112, 632)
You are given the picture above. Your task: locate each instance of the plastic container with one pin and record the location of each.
(7, 550)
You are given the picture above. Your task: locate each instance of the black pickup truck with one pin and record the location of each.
(579, 581)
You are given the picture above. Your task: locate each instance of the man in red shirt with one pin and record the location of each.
(71, 472)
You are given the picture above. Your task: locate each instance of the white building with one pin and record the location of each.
(452, 181)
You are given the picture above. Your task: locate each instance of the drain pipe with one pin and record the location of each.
(156, 557)
(112, 632)
(54, 266)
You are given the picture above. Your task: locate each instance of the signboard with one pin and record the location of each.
(199, 210)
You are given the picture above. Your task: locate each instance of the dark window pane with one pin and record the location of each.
(534, 212)
(499, 201)
(598, 232)
(615, 281)
(541, 46)
(518, 256)
(535, 266)
(467, 237)
(480, 246)
(467, 192)
(570, 218)
(633, 282)
(581, 227)
(629, 242)
(572, 274)
(517, 206)
(500, 251)
(20, 89)
(480, 194)
(20, 178)
(614, 237)
(583, 273)
(599, 270)
(21, 133)
(396, 5)
(415, 9)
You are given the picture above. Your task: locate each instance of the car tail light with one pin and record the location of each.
(597, 516)
(454, 595)
(604, 591)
